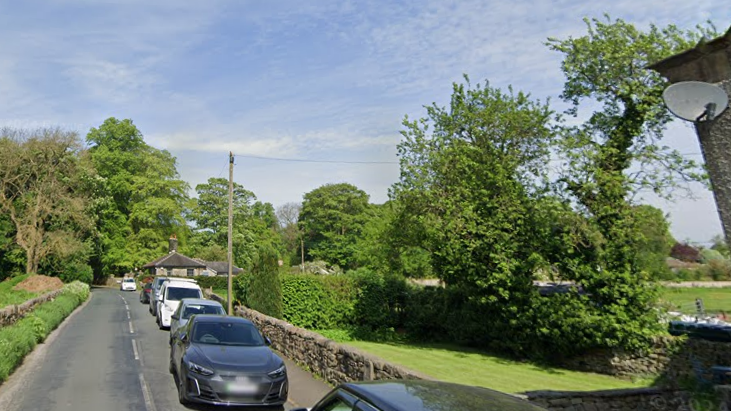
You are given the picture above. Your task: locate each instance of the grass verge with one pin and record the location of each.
(19, 339)
(8, 296)
(715, 300)
(472, 367)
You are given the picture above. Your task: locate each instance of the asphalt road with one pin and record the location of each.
(111, 356)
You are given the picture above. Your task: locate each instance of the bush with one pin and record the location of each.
(380, 300)
(19, 339)
(265, 289)
(717, 270)
(212, 281)
(77, 272)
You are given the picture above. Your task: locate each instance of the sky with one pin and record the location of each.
(324, 80)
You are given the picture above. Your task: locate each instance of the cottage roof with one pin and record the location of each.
(174, 260)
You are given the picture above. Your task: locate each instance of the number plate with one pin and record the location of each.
(242, 385)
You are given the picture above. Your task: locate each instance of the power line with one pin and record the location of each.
(299, 160)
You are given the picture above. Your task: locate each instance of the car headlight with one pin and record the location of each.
(199, 369)
(279, 372)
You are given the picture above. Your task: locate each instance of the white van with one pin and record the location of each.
(171, 293)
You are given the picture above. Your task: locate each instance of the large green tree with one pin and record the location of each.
(332, 219)
(45, 193)
(254, 222)
(142, 201)
(464, 189)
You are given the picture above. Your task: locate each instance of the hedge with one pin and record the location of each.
(19, 339)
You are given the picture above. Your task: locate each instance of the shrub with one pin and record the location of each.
(265, 289)
(380, 300)
(77, 272)
(212, 281)
(717, 269)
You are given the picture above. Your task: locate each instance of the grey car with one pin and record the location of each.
(417, 395)
(193, 306)
(224, 360)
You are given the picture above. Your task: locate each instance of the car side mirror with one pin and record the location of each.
(267, 341)
(183, 337)
(175, 317)
(299, 409)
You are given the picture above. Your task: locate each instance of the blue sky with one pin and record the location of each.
(322, 80)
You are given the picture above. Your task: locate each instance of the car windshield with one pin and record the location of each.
(177, 294)
(202, 309)
(129, 280)
(227, 333)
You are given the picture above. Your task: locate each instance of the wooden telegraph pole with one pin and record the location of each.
(230, 226)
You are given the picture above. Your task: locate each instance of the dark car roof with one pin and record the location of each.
(214, 318)
(423, 395)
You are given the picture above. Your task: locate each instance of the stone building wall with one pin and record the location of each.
(12, 313)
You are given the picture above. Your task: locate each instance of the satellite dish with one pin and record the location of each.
(695, 100)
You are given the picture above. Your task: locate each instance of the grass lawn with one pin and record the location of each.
(683, 299)
(8, 296)
(465, 366)
(221, 292)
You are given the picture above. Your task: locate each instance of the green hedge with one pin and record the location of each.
(19, 339)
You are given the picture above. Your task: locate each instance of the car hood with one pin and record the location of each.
(173, 305)
(231, 358)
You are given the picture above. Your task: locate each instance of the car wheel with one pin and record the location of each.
(182, 396)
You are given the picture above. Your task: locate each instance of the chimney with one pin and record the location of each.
(172, 244)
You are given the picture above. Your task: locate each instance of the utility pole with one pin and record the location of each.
(230, 226)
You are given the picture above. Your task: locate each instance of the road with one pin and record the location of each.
(111, 356)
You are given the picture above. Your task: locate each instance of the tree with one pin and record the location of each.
(264, 293)
(254, 222)
(464, 190)
(43, 192)
(287, 215)
(611, 156)
(332, 219)
(467, 194)
(608, 66)
(655, 241)
(142, 199)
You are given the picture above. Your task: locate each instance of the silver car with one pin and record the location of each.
(224, 360)
(155, 294)
(193, 306)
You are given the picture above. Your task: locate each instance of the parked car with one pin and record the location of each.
(224, 360)
(193, 306)
(417, 395)
(128, 284)
(155, 293)
(173, 290)
(145, 293)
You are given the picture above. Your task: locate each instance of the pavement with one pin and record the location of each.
(110, 355)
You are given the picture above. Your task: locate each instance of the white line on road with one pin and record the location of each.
(146, 394)
(128, 315)
(131, 330)
(134, 350)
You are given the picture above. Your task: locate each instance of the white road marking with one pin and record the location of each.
(128, 315)
(146, 394)
(131, 330)
(134, 349)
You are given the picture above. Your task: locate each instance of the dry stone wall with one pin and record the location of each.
(674, 358)
(338, 363)
(333, 362)
(13, 313)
